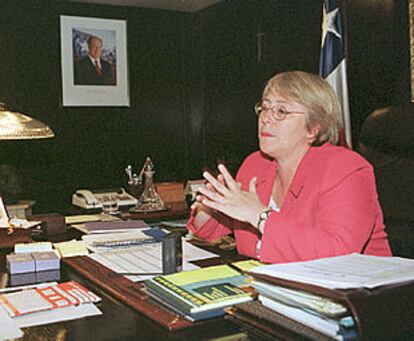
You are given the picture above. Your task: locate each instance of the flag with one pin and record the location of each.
(332, 63)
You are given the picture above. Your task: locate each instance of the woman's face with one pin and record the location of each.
(284, 137)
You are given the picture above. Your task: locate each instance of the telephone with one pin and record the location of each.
(93, 199)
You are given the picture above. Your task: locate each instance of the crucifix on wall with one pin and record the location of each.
(259, 43)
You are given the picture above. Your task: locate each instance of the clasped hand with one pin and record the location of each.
(225, 195)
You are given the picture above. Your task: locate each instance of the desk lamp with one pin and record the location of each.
(16, 126)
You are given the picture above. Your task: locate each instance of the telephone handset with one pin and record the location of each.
(93, 199)
(84, 198)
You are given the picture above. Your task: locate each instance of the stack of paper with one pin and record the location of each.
(324, 315)
(344, 272)
(307, 292)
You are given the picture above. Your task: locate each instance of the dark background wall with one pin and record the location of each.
(194, 78)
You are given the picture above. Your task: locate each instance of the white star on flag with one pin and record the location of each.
(328, 24)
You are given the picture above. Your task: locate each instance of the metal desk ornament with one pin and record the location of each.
(135, 182)
(149, 201)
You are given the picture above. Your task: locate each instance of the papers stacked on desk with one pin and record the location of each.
(322, 314)
(338, 297)
(344, 272)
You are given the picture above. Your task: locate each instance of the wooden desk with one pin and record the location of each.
(118, 322)
(121, 319)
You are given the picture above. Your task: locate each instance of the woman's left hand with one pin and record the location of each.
(229, 199)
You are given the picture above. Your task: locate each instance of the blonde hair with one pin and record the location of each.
(317, 96)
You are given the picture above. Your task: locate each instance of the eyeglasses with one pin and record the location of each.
(277, 111)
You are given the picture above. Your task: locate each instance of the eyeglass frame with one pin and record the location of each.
(278, 116)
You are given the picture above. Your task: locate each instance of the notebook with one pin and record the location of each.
(202, 293)
(114, 226)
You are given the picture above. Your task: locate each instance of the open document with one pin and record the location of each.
(342, 272)
(146, 258)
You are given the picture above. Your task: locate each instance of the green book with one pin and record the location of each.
(203, 293)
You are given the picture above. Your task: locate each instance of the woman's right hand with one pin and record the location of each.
(201, 212)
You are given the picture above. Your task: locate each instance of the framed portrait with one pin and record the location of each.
(4, 217)
(94, 62)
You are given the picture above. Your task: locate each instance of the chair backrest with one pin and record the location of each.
(390, 130)
(387, 141)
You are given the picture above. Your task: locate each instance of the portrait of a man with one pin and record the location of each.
(94, 62)
(91, 66)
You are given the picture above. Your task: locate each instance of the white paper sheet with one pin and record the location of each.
(141, 259)
(348, 271)
(147, 258)
(8, 327)
(57, 315)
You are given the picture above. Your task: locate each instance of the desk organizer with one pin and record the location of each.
(32, 262)
(20, 263)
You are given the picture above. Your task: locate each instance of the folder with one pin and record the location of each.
(263, 323)
(379, 313)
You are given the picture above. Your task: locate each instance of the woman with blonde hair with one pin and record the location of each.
(301, 196)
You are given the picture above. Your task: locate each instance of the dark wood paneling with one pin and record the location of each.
(378, 63)
(194, 78)
(94, 144)
(236, 74)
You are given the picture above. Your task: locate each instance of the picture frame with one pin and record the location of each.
(4, 216)
(94, 62)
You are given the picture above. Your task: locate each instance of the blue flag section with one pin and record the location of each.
(332, 63)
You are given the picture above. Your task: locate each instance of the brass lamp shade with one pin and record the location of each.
(16, 126)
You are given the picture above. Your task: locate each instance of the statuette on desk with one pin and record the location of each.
(149, 201)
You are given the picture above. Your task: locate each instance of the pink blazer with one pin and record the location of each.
(331, 209)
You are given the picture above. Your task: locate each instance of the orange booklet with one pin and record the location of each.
(47, 297)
